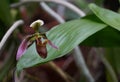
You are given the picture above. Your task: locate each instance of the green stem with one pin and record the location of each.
(65, 76)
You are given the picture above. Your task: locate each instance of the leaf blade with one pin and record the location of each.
(109, 17)
(66, 37)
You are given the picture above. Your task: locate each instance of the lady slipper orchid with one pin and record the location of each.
(40, 40)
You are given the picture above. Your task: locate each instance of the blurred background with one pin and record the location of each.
(97, 65)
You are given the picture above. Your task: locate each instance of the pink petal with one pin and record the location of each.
(22, 48)
(52, 45)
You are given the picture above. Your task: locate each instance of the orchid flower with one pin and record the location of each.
(40, 40)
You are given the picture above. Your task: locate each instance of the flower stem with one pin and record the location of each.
(65, 76)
